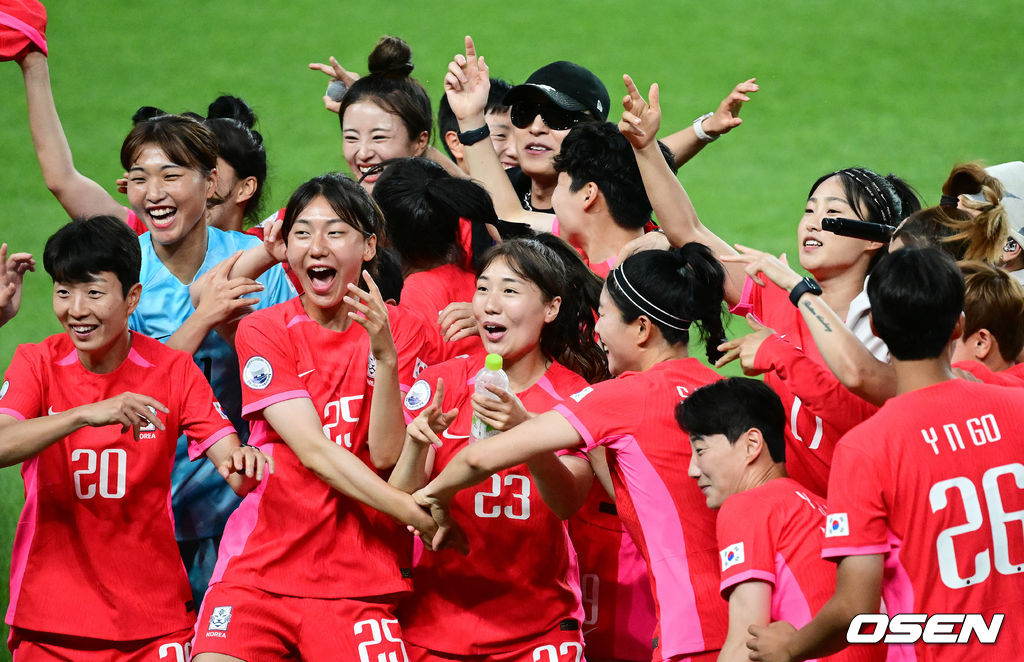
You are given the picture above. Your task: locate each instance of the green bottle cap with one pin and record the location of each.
(493, 362)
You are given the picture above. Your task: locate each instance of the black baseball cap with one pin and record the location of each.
(567, 85)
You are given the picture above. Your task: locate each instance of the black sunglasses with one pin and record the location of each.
(556, 118)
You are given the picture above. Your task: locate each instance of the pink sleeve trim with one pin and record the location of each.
(744, 305)
(195, 451)
(254, 407)
(21, 26)
(16, 414)
(855, 550)
(588, 439)
(763, 575)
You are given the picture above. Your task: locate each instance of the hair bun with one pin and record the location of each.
(391, 57)
(227, 106)
(146, 113)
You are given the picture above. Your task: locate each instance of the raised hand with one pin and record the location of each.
(745, 347)
(640, 121)
(758, 264)
(433, 419)
(337, 73)
(727, 115)
(467, 83)
(372, 314)
(502, 414)
(12, 272)
(129, 410)
(457, 321)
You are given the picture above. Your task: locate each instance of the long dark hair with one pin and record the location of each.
(674, 289)
(557, 270)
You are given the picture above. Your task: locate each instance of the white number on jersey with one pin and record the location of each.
(793, 414)
(86, 487)
(548, 653)
(340, 411)
(483, 509)
(998, 519)
(175, 651)
(590, 586)
(390, 653)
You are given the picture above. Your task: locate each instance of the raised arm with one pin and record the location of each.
(466, 85)
(12, 272)
(640, 123)
(685, 144)
(79, 195)
(417, 459)
(850, 361)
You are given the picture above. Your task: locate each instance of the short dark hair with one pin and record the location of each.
(83, 248)
(733, 406)
(598, 152)
(232, 121)
(916, 295)
(446, 120)
(187, 142)
(348, 199)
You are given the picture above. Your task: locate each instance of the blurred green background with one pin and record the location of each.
(908, 87)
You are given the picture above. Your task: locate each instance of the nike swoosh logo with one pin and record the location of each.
(454, 436)
(303, 374)
(51, 412)
(589, 630)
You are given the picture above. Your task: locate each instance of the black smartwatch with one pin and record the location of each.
(808, 284)
(473, 136)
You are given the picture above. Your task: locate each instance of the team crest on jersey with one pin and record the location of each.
(3, 389)
(837, 524)
(257, 373)
(582, 394)
(148, 431)
(731, 555)
(219, 619)
(418, 396)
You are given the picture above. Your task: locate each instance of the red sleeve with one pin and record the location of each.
(267, 367)
(21, 394)
(818, 388)
(857, 520)
(415, 343)
(134, 222)
(202, 418)
(601, 412)
(745, 548)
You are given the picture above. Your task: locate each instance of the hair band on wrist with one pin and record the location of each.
(698, 129)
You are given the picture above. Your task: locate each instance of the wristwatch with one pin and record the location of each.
(807, 284)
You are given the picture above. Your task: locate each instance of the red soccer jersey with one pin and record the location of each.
(933, 482)
(295, 535)
(519, 580)
(664, 512)
(818, 407)
(134, 222)
(427, 293)
(987, 375)
(95, 555)
(773, 534)
(618, 608)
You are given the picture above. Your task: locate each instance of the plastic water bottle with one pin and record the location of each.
(491, 374)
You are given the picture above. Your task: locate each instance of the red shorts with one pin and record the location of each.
(247, 623)
(28, 646)
(555, 646)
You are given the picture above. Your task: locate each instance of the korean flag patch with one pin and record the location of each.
(837, 524)
(257, 373)
(731, 555)
(219, 619)
(418, 396)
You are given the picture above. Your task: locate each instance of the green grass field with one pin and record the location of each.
(908, 87)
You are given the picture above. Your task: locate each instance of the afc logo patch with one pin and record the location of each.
(219, 619)
(257, 373)
(418, 396)
(582, 394)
